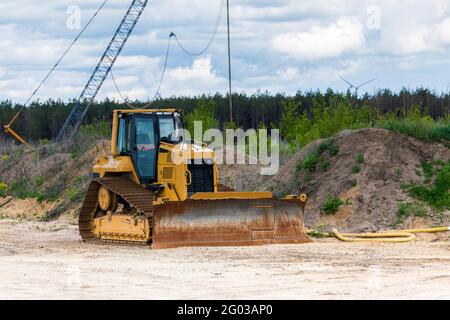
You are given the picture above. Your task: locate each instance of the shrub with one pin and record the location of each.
(331, 205)
(437, 194)
(38, 181)
(410, 209)
(355, 169)
(310, 161)
(325, 166)
(316, 158)
(22, 189)
(333, 150)
(75, 193)
(3, 189)
(360, 158)
(428, 171)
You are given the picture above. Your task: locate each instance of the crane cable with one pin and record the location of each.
(157, 94)
(185, 50)
(66, 52)
(41, 83)
(211, 40)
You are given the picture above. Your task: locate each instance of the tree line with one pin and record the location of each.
(43, 119)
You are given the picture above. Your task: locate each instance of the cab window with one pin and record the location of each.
(124, 136)
(166, 128)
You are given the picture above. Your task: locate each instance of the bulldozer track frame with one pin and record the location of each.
(140, 199)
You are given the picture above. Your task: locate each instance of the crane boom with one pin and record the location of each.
(102, 70)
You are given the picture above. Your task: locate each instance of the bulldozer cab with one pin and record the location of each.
(139, 136)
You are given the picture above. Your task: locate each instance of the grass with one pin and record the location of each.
(22, 189)
(332, 205)
(428, 170)
(436, 194)
(325, 166)
(3, 189)
(353, 182)
(98, 129)
(310, 162)
(38, 181)
(422, 128)
(406, 210)
(355, 169)
(333, 150)
(26, 188)
(318, 232)
(75, 193)
(317, 158)
(360, 158)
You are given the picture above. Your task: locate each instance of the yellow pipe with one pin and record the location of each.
(393, 236)
(428, 230)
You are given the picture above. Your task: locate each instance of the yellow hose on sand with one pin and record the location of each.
(395, 236)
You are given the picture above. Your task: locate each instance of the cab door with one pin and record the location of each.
(145, 150)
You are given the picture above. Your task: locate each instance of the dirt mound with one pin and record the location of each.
(240, 177)
(366, 173)
(47, 181)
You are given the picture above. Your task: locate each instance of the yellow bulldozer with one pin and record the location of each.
(140, 195)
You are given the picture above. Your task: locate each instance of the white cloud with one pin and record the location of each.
(196, 79)
(441, 7)
(345, 35)
(279, 45)
(442, 32)
(288, 73)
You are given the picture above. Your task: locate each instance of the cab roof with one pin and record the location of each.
(125, 111)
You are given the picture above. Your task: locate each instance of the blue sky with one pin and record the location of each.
(279, 46)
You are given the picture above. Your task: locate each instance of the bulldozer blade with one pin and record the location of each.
(228, 222)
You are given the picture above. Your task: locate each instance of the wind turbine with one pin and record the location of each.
(352, 86)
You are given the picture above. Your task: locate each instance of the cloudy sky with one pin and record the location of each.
(277, 45)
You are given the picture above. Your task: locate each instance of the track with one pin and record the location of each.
(137, 198)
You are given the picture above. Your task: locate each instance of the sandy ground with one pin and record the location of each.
(48, 261)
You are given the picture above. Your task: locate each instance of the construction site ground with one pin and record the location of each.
(48, 260)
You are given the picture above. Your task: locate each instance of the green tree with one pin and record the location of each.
(205, 113)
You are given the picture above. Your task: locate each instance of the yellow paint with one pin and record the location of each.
(149, 111)
(119, 164)
(15, 135)
(121, 227)
(231, 195)
(115, 130)
(12, 132)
